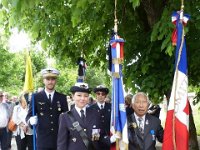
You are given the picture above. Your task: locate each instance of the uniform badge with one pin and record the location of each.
(134, 125)
(95, 134)
(152, 132)
(59, 105)
(147, 122)
(41, 103)
(74, 139)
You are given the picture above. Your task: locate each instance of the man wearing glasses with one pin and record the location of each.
(4, 118)
(104, 110)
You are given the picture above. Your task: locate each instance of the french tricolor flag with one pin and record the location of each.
(176, 134)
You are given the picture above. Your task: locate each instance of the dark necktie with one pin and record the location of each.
(82, 115)
(140, 127)
(50, 97)
(101, 106)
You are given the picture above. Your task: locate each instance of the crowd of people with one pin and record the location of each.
(77, 121)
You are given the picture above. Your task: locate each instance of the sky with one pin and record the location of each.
(18, 41)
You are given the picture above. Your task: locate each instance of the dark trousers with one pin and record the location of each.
(22, 144)
(9, 138)
(3, 138)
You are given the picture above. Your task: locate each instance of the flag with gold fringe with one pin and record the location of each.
(118, 115)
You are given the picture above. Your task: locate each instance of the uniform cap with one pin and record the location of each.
(101, 88)
(50, 72)
(80, 87)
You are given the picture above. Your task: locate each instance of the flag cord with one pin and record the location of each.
(182, 5)
(115, 14)
(177, 64)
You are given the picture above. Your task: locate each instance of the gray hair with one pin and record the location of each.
(140, 93)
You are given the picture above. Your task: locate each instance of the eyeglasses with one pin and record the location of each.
(101, 93)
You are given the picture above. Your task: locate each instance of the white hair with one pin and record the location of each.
(140, 93)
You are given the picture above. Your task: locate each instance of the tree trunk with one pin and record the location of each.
(153, 10)
(193, 142)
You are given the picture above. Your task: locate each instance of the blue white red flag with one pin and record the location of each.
(176, 132)
(118, 115)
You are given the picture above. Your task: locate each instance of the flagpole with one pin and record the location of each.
(34, 129)
(176, 72)
(28, 87)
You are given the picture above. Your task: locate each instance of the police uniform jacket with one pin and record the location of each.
(152, 131)
(105, 116)
(48, 114)
(69, 138)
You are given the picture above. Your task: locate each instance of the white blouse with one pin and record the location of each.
(19, 117)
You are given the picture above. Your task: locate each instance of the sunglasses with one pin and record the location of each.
(101, 93)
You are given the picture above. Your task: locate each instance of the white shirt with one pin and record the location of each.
(79, 110)
(99, 104)
(52, 94)
(4, 115)
(143, 120)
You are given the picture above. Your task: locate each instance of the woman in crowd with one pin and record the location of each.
(23, 133)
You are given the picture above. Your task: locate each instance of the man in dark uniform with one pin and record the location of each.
(79, 128)
(48, 105)
(144, 129)
(104, 110)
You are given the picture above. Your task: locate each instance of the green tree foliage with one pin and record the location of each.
(11, 71)
(70, 27)
(69, 74)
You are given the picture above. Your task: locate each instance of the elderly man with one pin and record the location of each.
(48, 105)
(4, 118)
(144, 128)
